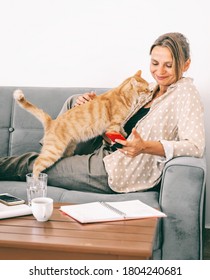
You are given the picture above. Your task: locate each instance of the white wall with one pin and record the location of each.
(98, 42)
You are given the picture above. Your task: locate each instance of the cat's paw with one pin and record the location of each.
(18, 94)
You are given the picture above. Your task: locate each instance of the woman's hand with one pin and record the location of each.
(86, 97)
(133, 147)
(137, 145)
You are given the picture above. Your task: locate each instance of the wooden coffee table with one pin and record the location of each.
(63, 238)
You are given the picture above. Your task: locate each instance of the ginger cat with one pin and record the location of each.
(104, 113)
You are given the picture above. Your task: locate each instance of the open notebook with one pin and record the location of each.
(14, 211)
(110, 211)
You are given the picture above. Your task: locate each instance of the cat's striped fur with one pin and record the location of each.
(105, 112)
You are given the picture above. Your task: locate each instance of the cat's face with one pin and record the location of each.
(136, 83)
(139, 84)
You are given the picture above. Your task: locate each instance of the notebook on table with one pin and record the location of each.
(110, 211)
(14, 211)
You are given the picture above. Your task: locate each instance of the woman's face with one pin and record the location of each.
(161, 66)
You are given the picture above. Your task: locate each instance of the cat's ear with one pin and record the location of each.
(138, 73)
(134, 82)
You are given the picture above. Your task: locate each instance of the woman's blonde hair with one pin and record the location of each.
(179, 47)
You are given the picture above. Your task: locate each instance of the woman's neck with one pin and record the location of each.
(158, 92)
(161, 90)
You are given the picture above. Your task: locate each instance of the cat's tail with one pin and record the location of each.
(43, 117)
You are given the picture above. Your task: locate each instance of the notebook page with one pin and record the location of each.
(136, 209)
(90, 212)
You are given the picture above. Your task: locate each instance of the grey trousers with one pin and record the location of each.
(79, 172)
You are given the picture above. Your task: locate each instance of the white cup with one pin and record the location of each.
(36, 187)
(42, 208)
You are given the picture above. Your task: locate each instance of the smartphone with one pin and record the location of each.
(9, 199)
(113, 136)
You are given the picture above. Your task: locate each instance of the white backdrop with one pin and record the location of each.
(98, 43)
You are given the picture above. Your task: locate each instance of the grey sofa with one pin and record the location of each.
(179, 236)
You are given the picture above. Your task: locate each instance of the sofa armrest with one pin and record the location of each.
(182, 200)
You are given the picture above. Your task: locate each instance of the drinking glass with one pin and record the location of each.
(36, 187)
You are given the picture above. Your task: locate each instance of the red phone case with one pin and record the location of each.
(115, 135)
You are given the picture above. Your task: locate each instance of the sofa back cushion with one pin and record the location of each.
(20, 132)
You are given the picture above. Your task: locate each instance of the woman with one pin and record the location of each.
(169, 124)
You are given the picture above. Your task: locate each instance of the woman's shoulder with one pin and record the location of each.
(185, 82)
(186, 91)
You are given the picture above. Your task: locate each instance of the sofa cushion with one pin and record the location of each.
(5, 119)
(20, 132)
